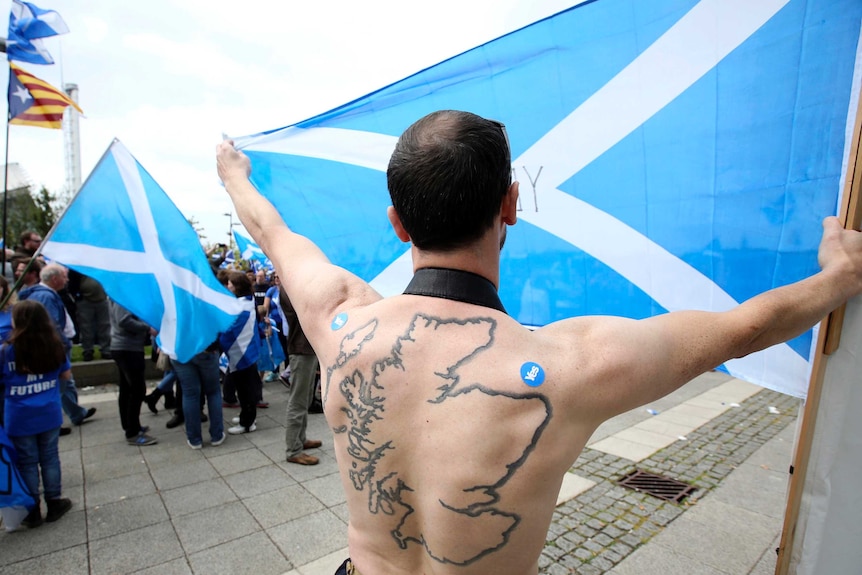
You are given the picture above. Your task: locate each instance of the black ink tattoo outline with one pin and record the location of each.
(365, 401)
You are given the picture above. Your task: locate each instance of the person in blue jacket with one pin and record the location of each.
(54, 278)
(241, 344)
(5, 322)
(33, 362)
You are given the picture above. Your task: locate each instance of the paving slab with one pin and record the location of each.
(310, 537)
(256, 481)
(126, 515)
(255, 553)
(197, 497)
(573, 485)
(625, 448)
(283, 505)
(214, 526)
(135, 550)
(71, 561)
(655, 559)
(113, 490)
(25, 544)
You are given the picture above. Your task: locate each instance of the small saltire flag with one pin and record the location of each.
(249, 250)
(123, 230)
(27, 25)
(229, 259)
(35, 102)
(672, 154)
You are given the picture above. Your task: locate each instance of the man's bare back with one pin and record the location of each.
(447, 435)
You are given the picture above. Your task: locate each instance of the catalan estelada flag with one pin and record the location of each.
(34, 102)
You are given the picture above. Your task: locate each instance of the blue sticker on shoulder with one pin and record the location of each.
(532, 374)
(339, 321)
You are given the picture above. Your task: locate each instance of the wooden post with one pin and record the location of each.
(827, 343)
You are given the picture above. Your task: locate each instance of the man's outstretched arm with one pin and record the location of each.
(317, 288)
(641, 361)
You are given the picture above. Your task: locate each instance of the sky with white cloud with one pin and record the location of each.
(168, 77)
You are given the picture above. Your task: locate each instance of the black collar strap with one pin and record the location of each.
(456, 285)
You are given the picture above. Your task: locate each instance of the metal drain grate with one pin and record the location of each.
(657, 485)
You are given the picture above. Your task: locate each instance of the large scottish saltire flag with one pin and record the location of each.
(672, 154)
(124, 231)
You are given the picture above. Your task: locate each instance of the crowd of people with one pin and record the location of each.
(41, 315)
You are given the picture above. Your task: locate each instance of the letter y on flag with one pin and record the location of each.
(124, 231)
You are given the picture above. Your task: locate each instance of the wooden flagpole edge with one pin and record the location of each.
(827, 343)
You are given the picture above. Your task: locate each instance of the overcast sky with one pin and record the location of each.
(168, 77)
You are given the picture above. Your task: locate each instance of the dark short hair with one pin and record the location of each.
(223, 275)
(241, 283)
(35, 266)
(447, 178)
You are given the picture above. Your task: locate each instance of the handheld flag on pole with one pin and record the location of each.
(27, 25)
(249, 250)
(228, 259)
(35, 102)
(672, 154)
(123, 230)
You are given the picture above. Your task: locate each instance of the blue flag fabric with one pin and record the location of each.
(27, 25)
(249, 250)
(123, 230)
(672, 154)
(15, 499)
(228, 259)
(241, 342)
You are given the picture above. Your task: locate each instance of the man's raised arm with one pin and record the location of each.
(316, 286)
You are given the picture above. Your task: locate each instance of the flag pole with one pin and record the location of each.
(5, 187)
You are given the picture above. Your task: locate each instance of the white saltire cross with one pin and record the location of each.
(681, 56)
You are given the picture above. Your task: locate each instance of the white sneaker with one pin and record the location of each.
(193, 446)
(239, 429)
(218, 442)
(235, 419)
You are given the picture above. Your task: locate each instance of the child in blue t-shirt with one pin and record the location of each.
(32, 363)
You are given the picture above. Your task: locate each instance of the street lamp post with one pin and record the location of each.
(230, 226)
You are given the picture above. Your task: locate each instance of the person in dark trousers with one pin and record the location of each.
(241, 343)
(303, 372)
(129, 336)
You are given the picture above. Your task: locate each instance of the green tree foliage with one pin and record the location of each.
(28, 211)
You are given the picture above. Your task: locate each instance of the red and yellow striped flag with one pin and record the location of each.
(34, 102)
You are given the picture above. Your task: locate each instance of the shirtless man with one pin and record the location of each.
(453, 425)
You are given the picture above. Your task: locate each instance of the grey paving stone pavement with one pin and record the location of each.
(241, 508)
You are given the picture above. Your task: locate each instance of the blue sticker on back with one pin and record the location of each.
(532, 374)
(339, 321)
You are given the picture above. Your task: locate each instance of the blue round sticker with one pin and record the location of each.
(532, 374)
(339, 321)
